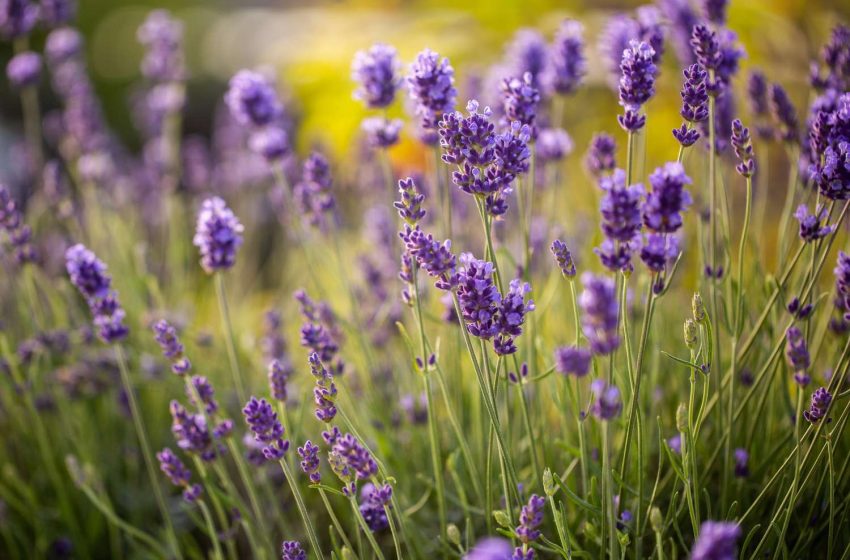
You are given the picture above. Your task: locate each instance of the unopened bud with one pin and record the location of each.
(501, 518)
(698, 308)
(691, 334)
(453, 533)
(656, 519)
(549, 483)
(682, 418)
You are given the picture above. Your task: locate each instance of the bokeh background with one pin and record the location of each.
(309, 45)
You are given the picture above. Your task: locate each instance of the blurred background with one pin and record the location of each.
(310, 44)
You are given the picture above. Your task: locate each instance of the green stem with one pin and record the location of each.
(302, 509)
(146, 448)
(205, 512)
(230, 340)
(365, 528)
(337, 525)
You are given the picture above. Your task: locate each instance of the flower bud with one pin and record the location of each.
(682, 418)
(549, 483)
(656, 519)
(501, 518)
(698, 308)
(691, 334)
(453, 533)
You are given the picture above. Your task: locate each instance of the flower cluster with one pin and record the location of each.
(88, 275)
(17, 18)
(278, 376)
(553, 144)
(291, 550)
(324, 393)
(694, 104)
(262, 420)
(621, 220)
(18, 233)
(162, 37)
(811, 225)
(564, 258)
(487, 162)
(166, 336)
(621, 29)
(819, 405)
(797, 353)
(410, 204)
(784, 114)
(831, 168)
(433, 257)
(573, 360)
(717, 540)
(381, 132)
(600, 313)
(218, 235)
(254, 103)
(309, 454)
(637, 83)
(601, 155)
(743, 149)
(272, 342)
(191, 432)
(24, 69)
(742, 458)
(520, 100)
(351, 461)
(313, 193)
(376, 72)
(320, 333)
(373, 501)
(567, 62)
(178, 474)
(530, 519)
(662, 214)
(431, 86)
(606, 403)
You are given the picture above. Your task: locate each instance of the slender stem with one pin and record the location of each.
(230, 340)
(337, 525)
(608, 494)
(146, 448)
(258, 512)
(391, 522)
(302, 509)
(365, 528)
(205, 512)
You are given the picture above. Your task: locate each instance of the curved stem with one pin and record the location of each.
(299, 501)
(230, 340)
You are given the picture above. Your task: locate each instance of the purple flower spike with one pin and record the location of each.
(166, 336)
(530, 519)
(797, 353)
(88, 275)
(564, 258)
(743, 149)
(528, 53)
(410, 204)
(355, 456)
(376, 72)
(659, 250)
(784, 115)
(573, 360)
(694, 104)
(252, 99)
(278, 375)
(381, 132)
(478, 297)
(819, 405)
(637, 83)
(600, 312)
(717, 540)
(17, 18)
(325, 391)
(431, 86)
(57, 12)
(372, 503)
(24, 69)
(178, 474)
(621, 220)
(662, 211)
(715, 10)
(601, 155)
(606, 403)
(291, 550)
(262, 420)
(218, 235)
(810, 224)
(314, 193)
(162, 36)
(310, 461)
(433, 257)
(553, 144)
(567, 63)
(742, 459)
(520, 100)
(490, 548)
(512, 311)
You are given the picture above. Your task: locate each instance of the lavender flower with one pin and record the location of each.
(662, 211)
(528, 53)
(162, 36)
(24, 69)
(191, 432)
(530, 519)
(567, 63)
(166, 337)
(376, 72)
(490, 548)
(819, 405)
(478, 297)
(373, 500)
(715, 10)
(621, 220)
(784, 114)
(694, 104)
(431, 86)
(17, 18)
(831, 168)
(291, 550)
(18, 233)
(356, 457)
(743, 149)
(512, 311)
(324, 392)
(572, 360)
(742, 459)
(410, 204)
(57, 12)
(637, 83)
(619, 30)
(658, 251)
(601, 154)
(252, 99)
(320, 332)
(313, 193)
(271, 142)
(433, 257)
(309, 454)
(381, 132)
(62, 45)
(564, 258)
(218, 235)
(204, 389)
(810, 224)
(553, 144)
(797, 354)
(600, 312)
(606, 404)
(717, 540)
(757, 93)
(842, 281)
(272, 341)
(178, 474)
(88, 274)
(262, 420)
(520, 100)
(278, 375)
